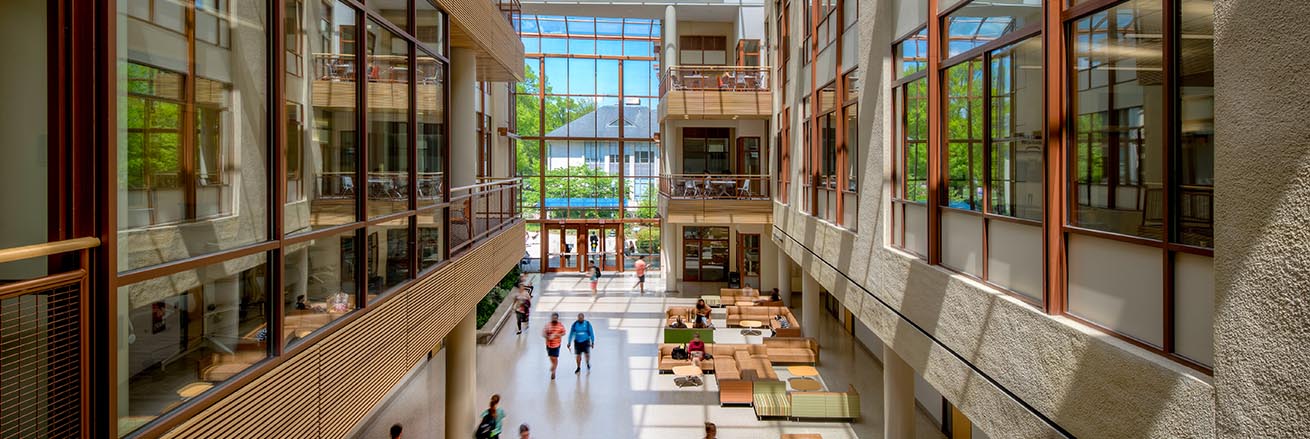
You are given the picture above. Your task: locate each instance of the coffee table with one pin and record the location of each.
(750, 326)
(687, 376)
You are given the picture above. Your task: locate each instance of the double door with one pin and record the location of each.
(576, 248)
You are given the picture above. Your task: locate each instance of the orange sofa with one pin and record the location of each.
(765, 314)
(792, 350)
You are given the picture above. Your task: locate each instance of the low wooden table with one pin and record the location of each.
(750, 326)
(805, 384)
(687, 376)
(803, 371)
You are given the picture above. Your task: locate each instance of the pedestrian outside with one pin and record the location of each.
(582, 338)
(554, 334)
(640, 267)
(491, 420)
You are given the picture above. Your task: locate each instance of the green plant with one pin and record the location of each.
(487, 307)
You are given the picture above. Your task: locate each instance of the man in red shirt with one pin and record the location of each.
(641, 273)
(554, 334)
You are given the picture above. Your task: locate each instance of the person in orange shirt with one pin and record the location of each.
(554, 334)
(640, 266)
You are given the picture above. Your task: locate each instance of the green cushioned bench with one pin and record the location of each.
(679, 335)
(771, 400)
(825, 405)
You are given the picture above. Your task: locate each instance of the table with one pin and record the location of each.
(687, 376)
(750, 326)
(803, 371)
(724, 188)
(805, 384)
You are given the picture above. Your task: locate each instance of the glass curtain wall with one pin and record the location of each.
(587, 117)
(205, 234)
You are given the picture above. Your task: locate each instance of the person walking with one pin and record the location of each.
(492, 417)
(523, 431)
(582, 338)
(711, 430)
(522, 305)
(595, 278)
(640, 267)
(396, 430)
(554, 334)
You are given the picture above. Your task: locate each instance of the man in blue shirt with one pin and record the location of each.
(583, 337)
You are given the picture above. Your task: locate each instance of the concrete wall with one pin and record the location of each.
(1262, 158)
(1011, 368)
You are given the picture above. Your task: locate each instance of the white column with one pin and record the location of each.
(897, 395)
(784, 276)
(669, 254)
(670, 36)
(461, 378)
(463, 122)
(809, 303)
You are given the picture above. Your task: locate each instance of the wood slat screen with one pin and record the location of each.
(714, 104)
(327, 389)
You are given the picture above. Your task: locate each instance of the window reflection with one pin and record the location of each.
(1195, 191)
(318, 284)
(192, 138)
(388, 122)
(181, 335)
(981, 22)
(964, 135)
(388, 256)
(1016, 121)
(1117, 94)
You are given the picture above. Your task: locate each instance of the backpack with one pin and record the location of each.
(487, 426)
(679, 353)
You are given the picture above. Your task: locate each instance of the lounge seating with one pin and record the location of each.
(729, 296)
(765, 314)
(771, 400)
(735, 391)
(826, 405)
(721, 355)
(792, 350)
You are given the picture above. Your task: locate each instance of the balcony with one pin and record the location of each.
(701, 198)
(715, 92)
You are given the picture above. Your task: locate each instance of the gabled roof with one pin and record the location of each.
(604, 122)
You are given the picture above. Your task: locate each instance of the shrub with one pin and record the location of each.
(488, 305)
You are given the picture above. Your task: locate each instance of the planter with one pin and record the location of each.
(504, 313)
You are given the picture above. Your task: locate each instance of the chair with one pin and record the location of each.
(744, 191)
(690, 189)
(347, 185)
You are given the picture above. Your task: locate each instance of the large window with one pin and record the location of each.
(705, 151)
(970, 184)
(200, 253)
(832, 149)
(587, 116)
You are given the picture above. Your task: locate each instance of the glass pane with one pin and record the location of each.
(1194, 223)
(429, 26)
(325, 145)
(395, 11)
(388, 256)
(25, 138)
(388, 126)
(1118, 181)
(431, 130)
(912, 54)
(916, 141)
(188, 332)
(964, 132)
(319, 284)
(1016, 130)
(204, 168)
(429, 238)
(981, 22)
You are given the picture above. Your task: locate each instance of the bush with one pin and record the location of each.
(488, 305)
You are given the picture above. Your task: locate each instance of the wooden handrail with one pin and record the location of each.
(487, 184)
(47, 249)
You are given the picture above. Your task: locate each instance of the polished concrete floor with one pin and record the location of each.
(623, 395)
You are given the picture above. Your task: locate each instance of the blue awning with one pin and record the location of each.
(582, 203)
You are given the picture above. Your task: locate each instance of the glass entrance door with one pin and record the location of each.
(603, 249)
(562, 250)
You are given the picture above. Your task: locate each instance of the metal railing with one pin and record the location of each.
(714, 187)
(44, 343)
(481, 209)
(381, 68)
(380, 185)
(721, 78)
(512, 10)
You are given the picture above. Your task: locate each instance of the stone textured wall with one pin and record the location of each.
(1262, 218)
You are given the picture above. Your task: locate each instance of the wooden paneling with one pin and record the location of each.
(382, 95)
(327, 389)
(718, 211)
(716, 104)
(479, 25)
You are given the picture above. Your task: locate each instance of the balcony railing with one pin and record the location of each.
(480, 210)
(714, 187)
(512, 10)
(717, 78)
(44, 344)
(381, 68)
